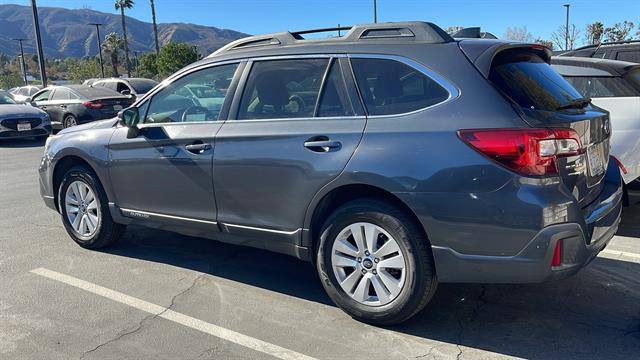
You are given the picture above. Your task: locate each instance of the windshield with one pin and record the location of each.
(5, 99)
(528, 80)
(142, 86)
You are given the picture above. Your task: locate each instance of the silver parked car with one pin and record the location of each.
(615, 86)
(23, 93)
(19, 120)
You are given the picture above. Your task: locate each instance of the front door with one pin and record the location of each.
(165, 173)
(294, 131)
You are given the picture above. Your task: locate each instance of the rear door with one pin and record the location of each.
(545, 99)
(165, 173)
(293, 130)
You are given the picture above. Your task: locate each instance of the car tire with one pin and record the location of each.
(417, 281)
(69, 121)
(84, 209)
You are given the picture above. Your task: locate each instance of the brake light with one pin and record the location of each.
(93, 104)
(530, 152)
(622, 168)
(557, 254)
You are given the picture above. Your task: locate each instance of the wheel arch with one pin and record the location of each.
(61, 167)
(339, 196)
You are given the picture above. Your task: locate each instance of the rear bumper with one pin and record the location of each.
(582, 238)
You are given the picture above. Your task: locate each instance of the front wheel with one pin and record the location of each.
(85, 211)
(375, 262)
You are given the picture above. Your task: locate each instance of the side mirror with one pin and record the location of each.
(130, 118)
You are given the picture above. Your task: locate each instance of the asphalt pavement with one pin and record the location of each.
(158, 295)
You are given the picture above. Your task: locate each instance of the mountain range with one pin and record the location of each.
(66, 33)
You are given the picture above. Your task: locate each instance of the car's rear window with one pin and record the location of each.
(528, 80)
(601, 86)
(142, 86)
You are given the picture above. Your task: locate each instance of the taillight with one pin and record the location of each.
(530, 152)
(93, 104)
(556, 260)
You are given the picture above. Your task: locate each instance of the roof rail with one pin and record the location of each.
(415, 30)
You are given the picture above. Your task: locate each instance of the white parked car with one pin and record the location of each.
(23, 93)
(614, 86)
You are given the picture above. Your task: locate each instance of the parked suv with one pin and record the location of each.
(628, 50)
(394, 158)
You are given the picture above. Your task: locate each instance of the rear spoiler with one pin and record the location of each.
(481, 52)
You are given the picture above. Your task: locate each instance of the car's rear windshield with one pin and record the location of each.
(528, 80)
(95, 92)
(5, 99)
(142, 86)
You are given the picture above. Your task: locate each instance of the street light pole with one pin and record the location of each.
(375, 12)
(24, 66)
(566, 29)
(36, 28)
(97, 25)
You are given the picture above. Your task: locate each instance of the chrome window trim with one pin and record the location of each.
(453, 91)
(148, 213)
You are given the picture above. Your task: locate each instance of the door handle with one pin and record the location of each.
(63, 106)
(198, 147)
(322, 144)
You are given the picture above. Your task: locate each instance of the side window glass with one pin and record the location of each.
(23, 92)
(282, 89)
(122, 87)
(334, 100)
(60, 94)
(391, 87)
(44, 96)
(198, 96)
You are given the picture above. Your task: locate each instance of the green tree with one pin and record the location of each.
(174, 56)
(121, 5)
(147, 66)
(112, 46)
(619, 31)
(595, 32)
(84, 69)
(10, 80)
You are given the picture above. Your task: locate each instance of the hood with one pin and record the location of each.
(102, 124)
(17, 111)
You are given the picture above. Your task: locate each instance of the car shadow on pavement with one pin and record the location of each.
(595, 314)
(20, 143)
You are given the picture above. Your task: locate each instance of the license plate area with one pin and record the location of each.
(24, 126)
(595, 155)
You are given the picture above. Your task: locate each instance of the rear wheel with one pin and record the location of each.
(375, 262)
(84, 210)
(69, 121)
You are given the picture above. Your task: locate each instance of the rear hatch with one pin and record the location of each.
(545, 100)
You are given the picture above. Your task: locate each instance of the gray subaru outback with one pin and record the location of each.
(393, 158)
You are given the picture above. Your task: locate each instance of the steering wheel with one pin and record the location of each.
(197, 109)
(299, 102)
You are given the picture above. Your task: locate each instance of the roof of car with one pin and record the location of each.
(613, 67)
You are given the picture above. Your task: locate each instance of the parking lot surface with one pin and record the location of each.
(158, 295)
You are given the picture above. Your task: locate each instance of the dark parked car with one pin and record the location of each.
(393, 158)
(620, 50)
(78, 104)
(129, 86)
(19, 120)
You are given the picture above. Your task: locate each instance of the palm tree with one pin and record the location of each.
(112, 45)
(121, 5)
(155, 26)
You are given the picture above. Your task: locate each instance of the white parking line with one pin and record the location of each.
(168, 314)
(617, 253)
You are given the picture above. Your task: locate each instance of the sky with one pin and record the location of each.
(541, 17)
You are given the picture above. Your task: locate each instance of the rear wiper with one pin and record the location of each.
(575, 104)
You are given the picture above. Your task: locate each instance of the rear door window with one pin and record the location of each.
(61, 94)
(529, 81)
(391, 87)
(598, 87)
(278, 89)
(631, 56)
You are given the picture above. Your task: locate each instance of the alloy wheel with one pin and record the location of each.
(368, 264)
(82, 208)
